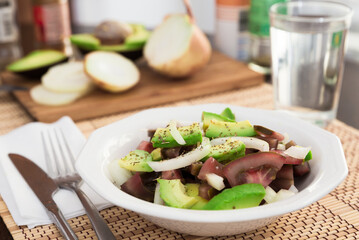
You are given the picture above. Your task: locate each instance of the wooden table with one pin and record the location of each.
(335, 216)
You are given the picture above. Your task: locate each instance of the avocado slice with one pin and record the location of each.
(173, 193)
(208, 116)
(36, 63)
(136, 161)
(156, 154)
(228, 114)
(241, 196)
(192, 190)
(228, 151)
(229, 129)
(139, 36)
(192, 134)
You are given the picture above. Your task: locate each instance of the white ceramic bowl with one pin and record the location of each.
(328, 169)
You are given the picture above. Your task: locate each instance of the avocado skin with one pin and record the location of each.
(230, 150)
(191, 134)
(173, 193)
(241, 196)
(229, 129)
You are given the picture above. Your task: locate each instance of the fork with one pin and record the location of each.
(66, 177)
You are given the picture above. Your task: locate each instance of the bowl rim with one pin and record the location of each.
(307, 196)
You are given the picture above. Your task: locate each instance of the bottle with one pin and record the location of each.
(9, 33)
(231, 35)
(259, 25)
(52, 24)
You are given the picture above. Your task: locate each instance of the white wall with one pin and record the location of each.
(148, 12)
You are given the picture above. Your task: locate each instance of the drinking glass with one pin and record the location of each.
(308, 46)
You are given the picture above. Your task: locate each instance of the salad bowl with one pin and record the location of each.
(328, 169)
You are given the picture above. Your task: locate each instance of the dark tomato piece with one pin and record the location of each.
(207, 191)
(146, 146)
(272, 142)
(172, 174)
(254, 168)
(284, 178)
(301, 169)
(265, 132)
(169, 153)
(289, 159)
(134, 186)
(211, 165)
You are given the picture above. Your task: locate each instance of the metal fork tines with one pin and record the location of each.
(60, 163)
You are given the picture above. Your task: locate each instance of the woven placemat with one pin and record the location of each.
(335, 216)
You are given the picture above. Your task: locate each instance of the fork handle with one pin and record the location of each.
(101, 228)
(58, 218)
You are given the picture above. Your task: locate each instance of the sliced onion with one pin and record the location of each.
(157, 199)
(118, 174)
(281, 147)
(183, 160)
(270, 196)
(215, 181)
(297, 151)
(250, 142)
(293, 189)
(284, 194)
(175, 133)
(286, 139)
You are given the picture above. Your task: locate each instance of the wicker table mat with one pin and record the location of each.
(336, 216)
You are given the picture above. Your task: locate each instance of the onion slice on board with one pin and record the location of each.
(183, 160)
(175, 133)
(250, 142)
(42, 95)
(67, 77)
(297, 152)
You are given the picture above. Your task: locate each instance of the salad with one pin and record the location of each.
(216, 164)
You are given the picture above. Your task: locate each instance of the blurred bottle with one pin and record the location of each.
(9, 33)
(231, 35)
(259, 25)
(52, 24)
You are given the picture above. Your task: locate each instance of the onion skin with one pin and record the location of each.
(194, 58)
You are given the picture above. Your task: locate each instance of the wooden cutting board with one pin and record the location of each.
(221, 74)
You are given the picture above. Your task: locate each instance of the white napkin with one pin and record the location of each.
(23, 204)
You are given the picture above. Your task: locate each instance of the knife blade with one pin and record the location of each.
(44, 188)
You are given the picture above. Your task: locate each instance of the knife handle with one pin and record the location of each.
(58, 218)
(101, 228)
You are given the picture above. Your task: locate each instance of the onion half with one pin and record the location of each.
(175, 133)
(183, 160)
(250, 142)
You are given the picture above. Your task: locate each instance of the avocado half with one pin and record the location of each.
(131, 48)
(36, 63)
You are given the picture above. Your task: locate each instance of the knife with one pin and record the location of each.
(44, 188)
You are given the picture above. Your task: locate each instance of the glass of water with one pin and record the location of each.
(308, 46)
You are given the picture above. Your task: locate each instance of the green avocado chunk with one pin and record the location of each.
(229, 129)
(192, 190)
(228, 151)
(228, 114)
(191, 134)
(139, 37)
(37, 59)
(173, 193)
(241, 196)
(156, 154)
(309, 156)
(208, 116)
(136, 161)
